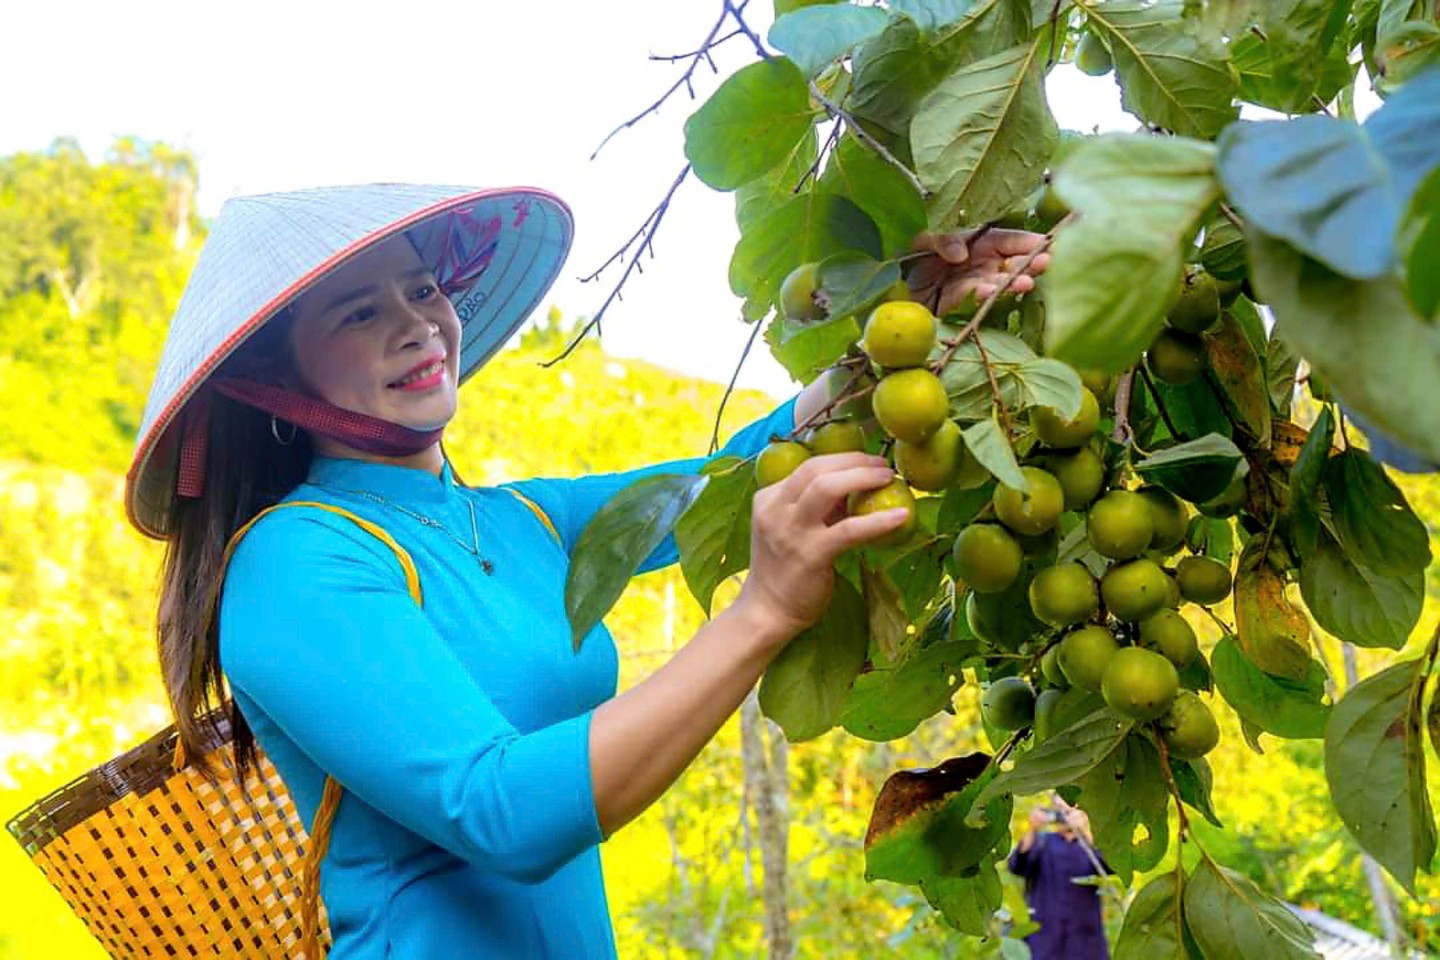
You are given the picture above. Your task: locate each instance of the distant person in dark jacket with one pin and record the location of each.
(1051, 861)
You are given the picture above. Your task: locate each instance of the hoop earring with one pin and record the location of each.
(275, 432)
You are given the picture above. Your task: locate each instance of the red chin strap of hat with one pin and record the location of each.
(356, 430)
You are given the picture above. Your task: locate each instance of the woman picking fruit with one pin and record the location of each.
(397, 641)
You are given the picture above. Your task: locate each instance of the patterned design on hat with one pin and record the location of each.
(496, 252)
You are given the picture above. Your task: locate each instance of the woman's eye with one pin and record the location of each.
(358, 316)
(425, 292)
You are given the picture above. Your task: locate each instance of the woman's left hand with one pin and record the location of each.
(972, 260)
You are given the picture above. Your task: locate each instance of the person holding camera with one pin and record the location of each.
(1054, 857)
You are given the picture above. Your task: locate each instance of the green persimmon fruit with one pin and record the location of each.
(987, 557)
(1199, 306)
(1134, 590)
(1203, 580)
(911, 404)
(934, 464)
(1101, 384)
(1031, 513)
(1119, 525)
(1189, 728)
(899, 333)
(1050, 667)
(1064, 594)
(893, 495)
(1139, 684)
(1050, 209)
(778, 461)
(1170, 634)
(797, 294)
(1008, 703)
(1081, 474)
(1085, 654)
(1176, 358)
(1092, 58)
(837, 436)
(1168, 517)
(1062, 434)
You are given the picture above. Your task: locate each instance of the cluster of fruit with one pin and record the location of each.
(1116, 633)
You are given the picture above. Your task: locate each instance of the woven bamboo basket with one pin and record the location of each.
(160, 863)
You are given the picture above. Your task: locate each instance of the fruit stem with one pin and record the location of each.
(835, 110)
(994, 387)
(1170, 782)
(1232, 216)
(1229, 630)
(1124, 433)
(842, 395)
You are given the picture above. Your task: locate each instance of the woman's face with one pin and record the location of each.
(378, 337)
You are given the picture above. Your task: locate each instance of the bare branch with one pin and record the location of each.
(646, 236)
(1124, 433)
(703, 51)
(696, 58)
(1232, 216)
(835, 110)
(738, 13)
(715, 435)
(994, 384)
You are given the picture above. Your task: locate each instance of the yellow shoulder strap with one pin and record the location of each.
(412, 578)
(535, 508)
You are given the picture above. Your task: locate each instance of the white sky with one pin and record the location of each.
(281, 95)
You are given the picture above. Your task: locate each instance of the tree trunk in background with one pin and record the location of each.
(1380, 894)
(766, 787)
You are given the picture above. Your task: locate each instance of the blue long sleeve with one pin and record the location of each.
(572, 502)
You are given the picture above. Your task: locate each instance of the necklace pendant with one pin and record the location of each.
(487, 566)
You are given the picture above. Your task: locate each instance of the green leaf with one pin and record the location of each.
(968, 385)
(966, 902)
(1375, 764)
(1287, 92)
(872, 183)
(1286, 708)
(887, 704)
(1333, 189)
(1153, 923)
(1063, 758)
(1195, 781)
(887, 619)
(1237, 368)
(1316, 311)
(1305, 478)
(806, 686)
(1211, 537)
(1231, 919)
(749, 125)
(1356, 603)
(809, 227)
(814, 37)
(1223, 252)
(1194, 471)
(1116, 271)
(1106, 291)
(1273, 634)
(783, 7)
(986, 440)
(932, 14)
(853, 282)
(765, 194)
(919, 828)
(617, 540)
(1374, 522)
(1125, 796)
(1298, 53)
(894, 71)
(982, 137)
(714, 536)
(807, 350)
(1419, 245)
(1173, 71)
(1281, 368)
(1050, 383)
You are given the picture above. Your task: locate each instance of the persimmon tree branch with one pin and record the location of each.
(646, 237)
(839, 113)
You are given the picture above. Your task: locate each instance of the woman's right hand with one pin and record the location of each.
(799, 526)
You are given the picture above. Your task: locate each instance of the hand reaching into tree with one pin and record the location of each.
(973, 260)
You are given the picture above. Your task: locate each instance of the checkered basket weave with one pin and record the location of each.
(158, 862)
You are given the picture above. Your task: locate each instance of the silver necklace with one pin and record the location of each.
(472, 548)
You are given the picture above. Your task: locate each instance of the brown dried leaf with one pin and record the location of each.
(1238, 369)
(1273, 634)
(909, 792)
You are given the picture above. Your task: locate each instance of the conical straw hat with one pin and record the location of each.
(495, 253)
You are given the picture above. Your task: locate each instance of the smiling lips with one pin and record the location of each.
(427, 375)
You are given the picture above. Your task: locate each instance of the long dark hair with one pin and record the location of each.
(246, 470)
